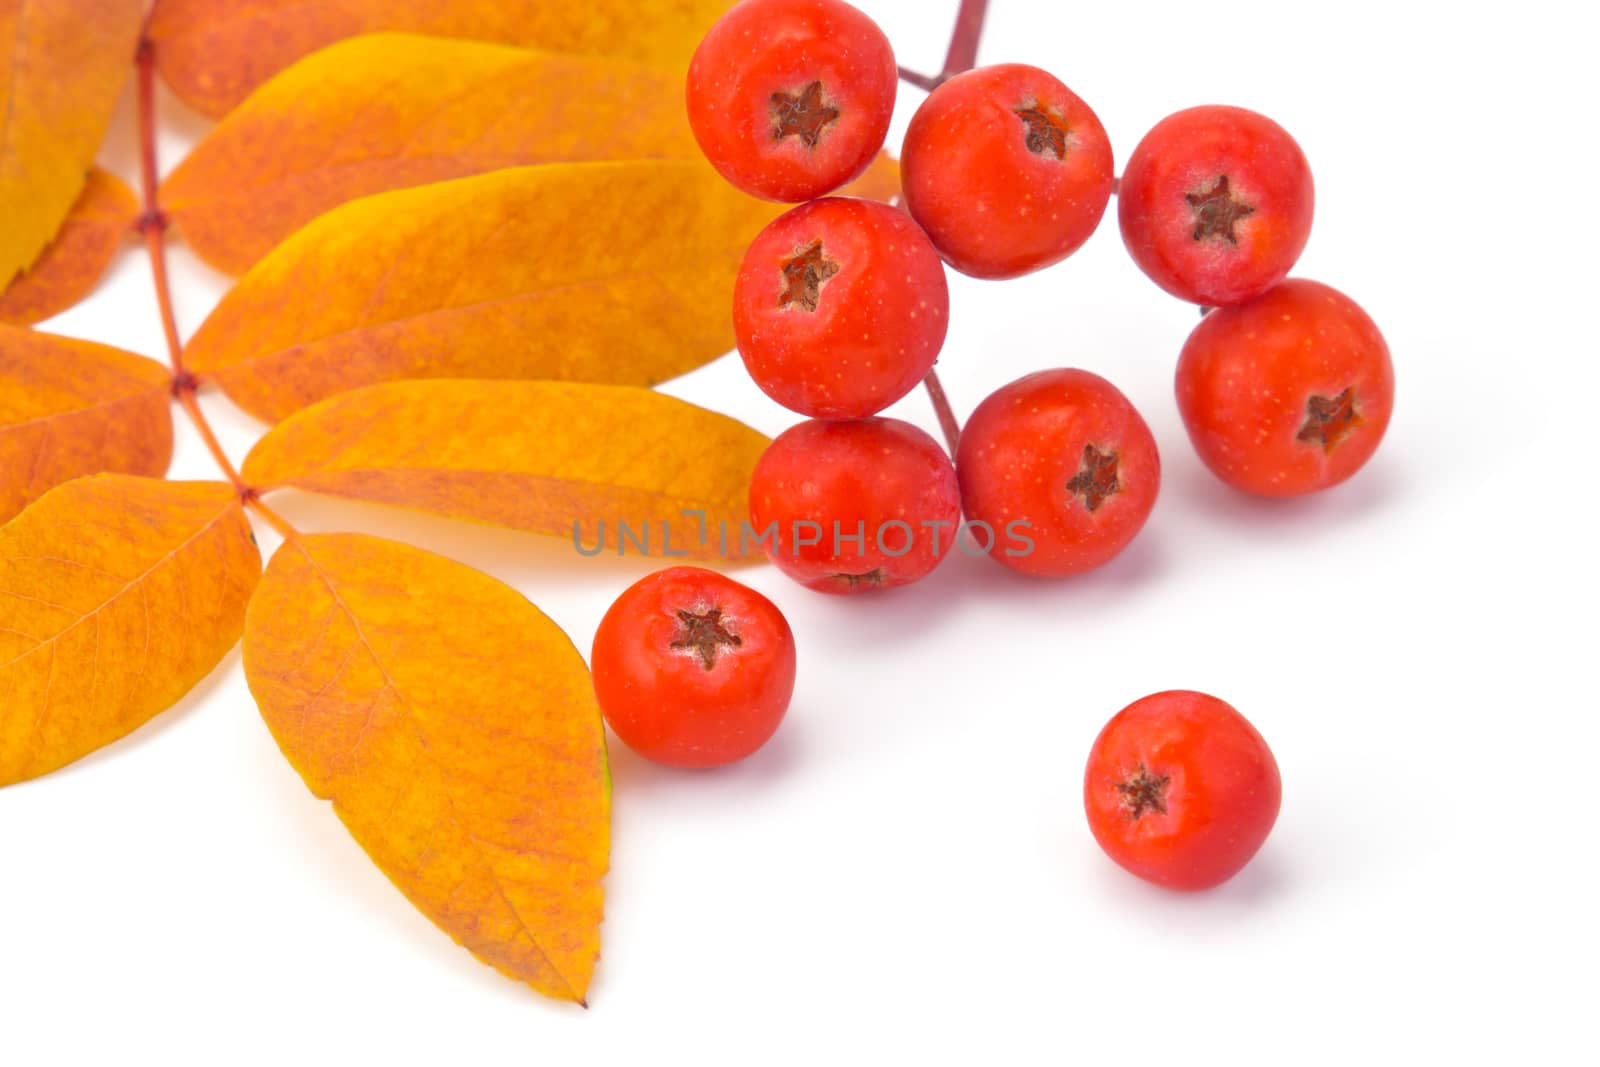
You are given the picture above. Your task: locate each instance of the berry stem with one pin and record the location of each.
(941, 407)
(963, 53)
(153, 228)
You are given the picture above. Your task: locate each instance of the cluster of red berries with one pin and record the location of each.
(841, 308)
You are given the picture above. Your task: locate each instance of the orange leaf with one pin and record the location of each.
(609, 272)
(70, 408)
(62, 64)
(117, 595)
(74, 262)
(563, 458)
(214, 52)
(392, 111)
(455, 730)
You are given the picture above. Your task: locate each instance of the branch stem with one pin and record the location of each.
(153, 228)
(963, 53)
(941, 407)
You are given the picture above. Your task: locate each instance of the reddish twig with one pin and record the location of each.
(941, 407)
(153, 228)
(152, 220)
(963, 53)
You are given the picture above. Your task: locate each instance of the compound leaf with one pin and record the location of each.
(214, 52)
(563, 458)
(98, 225)
(117, 595)
(608, 272)
(62, 64)
(71, 408)
(454, 729)
(390, 111)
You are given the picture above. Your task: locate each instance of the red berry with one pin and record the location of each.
(848, 507)
(1215, 204)
(840, 308)
(1181, 790)
(1062, 459)
(692, 669)
(1289, 393)
(1006, 169)
(790, 99)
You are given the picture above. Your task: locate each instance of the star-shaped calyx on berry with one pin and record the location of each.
(705, 634)
(873, 578)
(802, 114)
(1329, 419)
(1046, 135)
(803, 275)
(1216, 212)
(1143, 791)
(1096, 479)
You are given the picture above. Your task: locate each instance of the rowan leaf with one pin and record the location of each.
(564, 458)
(117, 595)
(390, 111)
(62, 65)
(214, 52)
(72, 265)
(71, 408)
(607, 272)
(454, 728)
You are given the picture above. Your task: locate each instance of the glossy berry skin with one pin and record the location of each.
(692, 669)
(1007, 170)
(840, 308)
(882, 478)
(1215, 204)
(790, 99)
(1181, 790)
(1066, 453)
(1289, 393)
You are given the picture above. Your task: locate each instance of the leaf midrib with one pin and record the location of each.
(427, 749)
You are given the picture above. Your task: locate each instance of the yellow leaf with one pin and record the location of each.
(563, 458)
(71, 266)
(62, 64)
(117, 595)
(390, 111)
(455, 730)
(608, 272)
(70, 408)
(214, 52)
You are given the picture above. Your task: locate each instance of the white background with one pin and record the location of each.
(905, 871)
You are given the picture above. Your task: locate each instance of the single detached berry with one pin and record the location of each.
(1289, 393)
(1062, 462)
(1181, 790)
(692, 669)
(1215, 204)
(840, 308)
(853, 507)
(790, 99)
(1006, 170)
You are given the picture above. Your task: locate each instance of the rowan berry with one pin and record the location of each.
(790, 99)
(693, 669)
(1006, 169)
(1289, 393)
(1062, 457)
(851, 507)
(1181, 790)
(840, 308)
(1215, 204)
